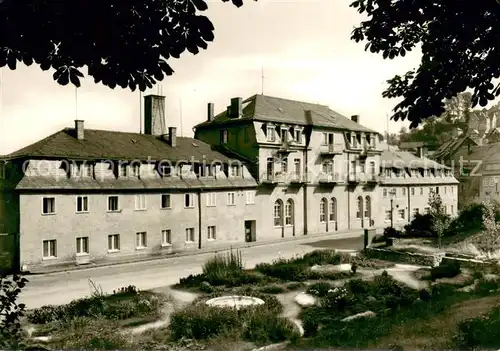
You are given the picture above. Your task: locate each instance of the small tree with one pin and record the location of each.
(11, 312)
(489, 240)
(440, 220)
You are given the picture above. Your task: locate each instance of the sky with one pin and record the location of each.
(303, 48)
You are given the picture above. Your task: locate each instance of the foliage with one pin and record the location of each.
(394, 28)
(319, 289)
(272, 289)
(122, 304)
(259, 324)
(420, 226)
(445, 270)
(440, 220)
(131, 48)
(390, 232)
(84, 333)
(470, 219)
(489, 239)
(480, 332)
(11, 311)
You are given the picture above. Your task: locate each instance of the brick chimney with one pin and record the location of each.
(355, 118)
(79, 129)
(154, 115)
(236, 107)
(210, 111)
(172, 136)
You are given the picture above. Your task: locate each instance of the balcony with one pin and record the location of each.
(329, 178)
(331, 150)
(285, 147)
(372, 178)
(269, 178)
(354, 178)
(297, 178)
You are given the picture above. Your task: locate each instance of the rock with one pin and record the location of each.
(345, 267)
(303, 299)
(206, 287)
(367, 314)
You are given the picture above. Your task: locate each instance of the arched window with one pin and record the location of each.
(359, 204)
(322, 209)
(278, 213)
(333, 210)
(368, 207)
(289, 212)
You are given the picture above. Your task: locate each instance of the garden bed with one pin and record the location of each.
(394, 255)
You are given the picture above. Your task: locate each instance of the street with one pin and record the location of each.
(63, 287)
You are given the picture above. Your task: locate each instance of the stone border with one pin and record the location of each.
(419, 259)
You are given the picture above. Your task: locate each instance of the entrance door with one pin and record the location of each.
(249, 231)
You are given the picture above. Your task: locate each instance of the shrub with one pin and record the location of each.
(358, 286)
(319, 289)
(390, 232)
(469, 219)
(336, 299)
(272, 289)
(223, 267)
(483, 332)
(284, 270)
(294, 286)
(265, 328)
(420, 226)
(445, 270)
(321, 257)
(11, 311)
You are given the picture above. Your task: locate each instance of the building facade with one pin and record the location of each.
(264, 169)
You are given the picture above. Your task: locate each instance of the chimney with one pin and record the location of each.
(355, 118)
(236, 107)
(420, 151)
(154, 115)
(210, 111)
(172, 136)
(80, 131)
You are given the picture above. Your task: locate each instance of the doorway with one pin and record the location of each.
(250, 235)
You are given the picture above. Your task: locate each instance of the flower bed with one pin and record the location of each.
(404, 257)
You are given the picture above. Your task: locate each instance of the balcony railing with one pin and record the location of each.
(329, 178)
(372, 178)
(354, 177)
(331, 149)
(297, 178)
(270, 178)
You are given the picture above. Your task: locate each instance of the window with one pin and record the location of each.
(209, 171)
(165, 170)
(284, 165)
(387, 215)
(384, 192)
(123, 170)
(325, 138)
(165, 201)
(289, 212)
(401, 214)
(270, 168)
(298, 138)
(271, 133)
(278, 213)
(333, 210)
(190, 235)
(113, 204)
(322, 210)
(224, 136)
(421, 191)
(359, 206)
(451, 209)
(231, 200)
(188, 200)
(136, 170)
(437, 190)
(393, 191)
(211, 232)
(426, 210)
(166, 237)
(284, 135)
(250, 197)
(140, 202)
(328, 167)
(85, 170)
(403, 191)
(412, 191)
(368, 207)
(49, 205)
(235, 171)
(82, 204)
(372, 168)
(114, 242)
(82, 246)
(452, 190)
(445, 188)
(140, 240)
(49, 249)
(296, 163)
(211, 198)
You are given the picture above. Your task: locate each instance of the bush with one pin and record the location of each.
(272, 289)
(445, 270)
(390, 232)
(481, 332)
(265, 328)
(11, 311)
(319, 289)
(420, 226)
(470, 219)
(321, 257)
(284, 270)
(358, 286)
(294, 286)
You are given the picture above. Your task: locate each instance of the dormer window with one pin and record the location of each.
(136, 170)
(209, 171)
(372, 140)
(298, 136)
(235, 171)
(123, 171)
(388, 172)
(271, 133)
(353, 140)
(284, 135)
(224, 136)
(164, 170)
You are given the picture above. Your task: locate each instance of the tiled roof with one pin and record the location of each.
(102, 144)
(47, 183)
(274, 109)
(404, 159)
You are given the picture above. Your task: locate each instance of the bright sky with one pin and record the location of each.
(303, 45)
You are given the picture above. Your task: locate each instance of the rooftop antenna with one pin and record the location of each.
(140, 111)
(180, 114)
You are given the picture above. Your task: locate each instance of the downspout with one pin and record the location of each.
(409, 204)
(348, 194)
(304, 152)
(199, 219)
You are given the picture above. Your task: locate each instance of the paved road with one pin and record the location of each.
(61, 288)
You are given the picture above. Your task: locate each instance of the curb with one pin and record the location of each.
(299, 239)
